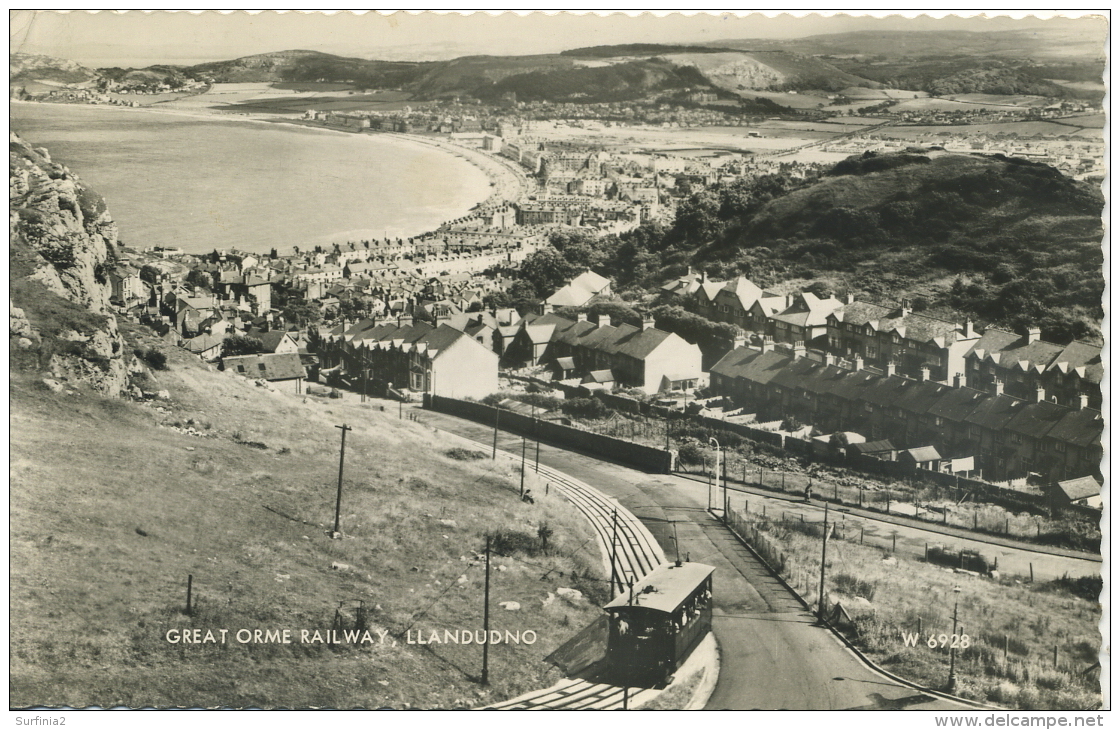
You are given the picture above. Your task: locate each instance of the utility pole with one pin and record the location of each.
(494, 453)
(486, 619)
(614, 551)
(523, 444)
(365, 377)
(341, 461)
(952, 685)
(824, 552)
(537, 435)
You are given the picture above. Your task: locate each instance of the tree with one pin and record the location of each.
(301, 312)
(546, 270)
(241, 345)
(201, 279)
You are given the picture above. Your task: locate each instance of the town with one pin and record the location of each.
(433, 314)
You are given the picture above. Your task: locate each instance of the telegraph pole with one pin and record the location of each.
(524, 443)
(341, 461)
(494, 453)
(824, 550)
(486, 619)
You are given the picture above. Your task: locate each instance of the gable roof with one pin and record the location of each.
(922, 453)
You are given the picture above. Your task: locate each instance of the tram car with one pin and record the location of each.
(656, 623)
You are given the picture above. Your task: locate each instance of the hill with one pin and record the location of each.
(25, 69)
(130, 473)
(1009, 241)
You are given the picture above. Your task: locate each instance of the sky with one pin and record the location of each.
(142, 38)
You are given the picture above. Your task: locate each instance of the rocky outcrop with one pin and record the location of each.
(62, 242)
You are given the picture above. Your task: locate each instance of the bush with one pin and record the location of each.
(508, 542)
(690, 454)
(590, 408)
(156, 359)
(464, 454)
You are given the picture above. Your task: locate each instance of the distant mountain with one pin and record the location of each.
(24, 68)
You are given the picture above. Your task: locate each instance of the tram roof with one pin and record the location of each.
(665, 588)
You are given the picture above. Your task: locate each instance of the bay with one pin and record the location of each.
(202, 183)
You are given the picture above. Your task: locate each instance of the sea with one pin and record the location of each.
(203, 183)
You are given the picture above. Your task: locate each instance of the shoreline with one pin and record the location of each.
(502, 178)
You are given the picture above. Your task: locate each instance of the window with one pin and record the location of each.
(240, 368)
(868, 407)
(1016, 438)
(261, 367)
(1059, 447)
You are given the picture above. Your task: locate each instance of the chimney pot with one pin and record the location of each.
(958, 380)
(1039, 395)
(1034, 334)
(924, 374)
(767, 343)
(998, 387)
(604, 320)
(1082, 401)
(798, 350)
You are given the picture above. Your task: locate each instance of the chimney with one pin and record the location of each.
(798, 350)
(892, 366)
(857, 363)
(969, 330)
(740, 340)
(546, 308)
(907, 308)
(998, 386)
(581, 317)
(849, 298)
(767, 343)
(1039, 395)
(1034, 334)
(958, 380)
(604, 320)
(404, 321)
(647, 323)
(923, 374)
(789, 300)
(1082, 401)
(829, 359)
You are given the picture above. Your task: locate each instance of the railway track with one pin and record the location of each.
(635, 552)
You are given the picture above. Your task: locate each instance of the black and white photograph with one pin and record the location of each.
(566, 360)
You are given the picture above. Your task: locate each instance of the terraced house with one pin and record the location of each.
(1010, 437)
(645, 357)
(882, 336)
(1028, 365)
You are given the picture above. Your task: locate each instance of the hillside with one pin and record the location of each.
(128, 474)
(27, 69)
(1009, 241)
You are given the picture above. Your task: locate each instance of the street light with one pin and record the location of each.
(952, 685)
(719, 453)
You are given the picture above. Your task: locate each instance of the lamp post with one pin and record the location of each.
(952, 684)
(719, 453)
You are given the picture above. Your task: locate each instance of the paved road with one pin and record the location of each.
(772, 657)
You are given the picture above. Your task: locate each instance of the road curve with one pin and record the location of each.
(771, 655)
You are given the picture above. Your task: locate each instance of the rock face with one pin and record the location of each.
(62, 239)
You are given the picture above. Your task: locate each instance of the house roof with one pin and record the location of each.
(579, 291)
(438, 340)
(271, 340)
(271, 366)
(872, 447)
(1079, 427)
(753, 365)
(1036, 419)
(1080, 488)
(916, 327)
(203, 342)
(599, 376)
(1083, 357)
(922, 453)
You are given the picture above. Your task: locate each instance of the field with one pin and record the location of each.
(1030, 647)
(1021, 129)
(999, 101)
(115, 504)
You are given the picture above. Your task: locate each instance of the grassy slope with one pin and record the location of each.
(1035, 618)
(92, 597)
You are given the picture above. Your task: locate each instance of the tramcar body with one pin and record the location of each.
(655, 624)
